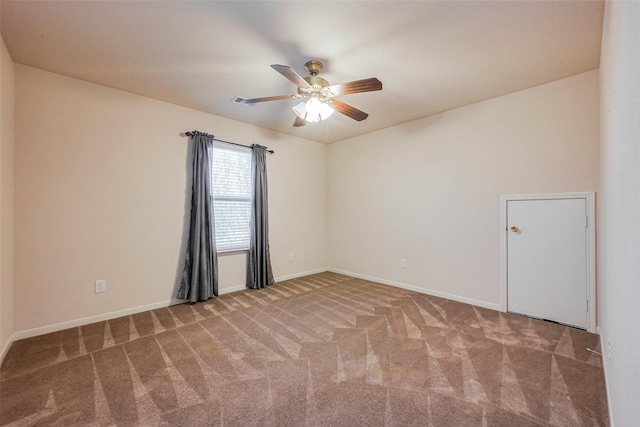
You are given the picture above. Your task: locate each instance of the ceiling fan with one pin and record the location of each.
(318, 97)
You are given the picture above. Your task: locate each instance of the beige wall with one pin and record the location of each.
(619, 209)
(102, 193)
(6, 197)
(429, 190)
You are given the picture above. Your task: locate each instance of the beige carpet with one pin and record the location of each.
(321, 350)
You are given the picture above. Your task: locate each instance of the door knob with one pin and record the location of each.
(514, 229)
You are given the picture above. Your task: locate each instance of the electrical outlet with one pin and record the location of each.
(101, 286)
(609, 350)
(291, 257)
(403, 263)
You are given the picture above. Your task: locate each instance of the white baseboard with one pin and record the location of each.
(114, 314)
(445, 295)
(230, 289)
(606, 377)
(92, 319)
(305, 273)
(6, 348)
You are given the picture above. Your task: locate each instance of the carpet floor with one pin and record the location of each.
(322, 350)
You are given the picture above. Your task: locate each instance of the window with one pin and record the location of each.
(231, 187)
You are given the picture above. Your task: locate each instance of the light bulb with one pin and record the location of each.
(313, 110)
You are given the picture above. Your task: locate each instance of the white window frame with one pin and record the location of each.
(221, 147)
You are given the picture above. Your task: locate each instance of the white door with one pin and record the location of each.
(547, 259)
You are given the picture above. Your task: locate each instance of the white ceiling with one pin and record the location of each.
(431, 56)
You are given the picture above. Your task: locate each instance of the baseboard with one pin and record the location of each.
(445, 295)
(92, 319)
(306, 273)
(6, 348)
(114, 314)
(606, 377)
(231, 289)
(237, 288)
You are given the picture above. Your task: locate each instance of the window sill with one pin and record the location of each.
(233, 252)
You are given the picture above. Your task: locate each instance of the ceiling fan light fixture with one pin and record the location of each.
(326, 110)
(300, 109)
(313, 107)
(313, 110)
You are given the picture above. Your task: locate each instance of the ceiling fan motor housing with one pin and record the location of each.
(316, 81)
(313, 67)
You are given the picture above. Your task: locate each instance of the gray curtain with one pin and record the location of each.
(200, 276)
(259, 274)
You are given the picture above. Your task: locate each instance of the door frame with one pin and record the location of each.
(591, 248)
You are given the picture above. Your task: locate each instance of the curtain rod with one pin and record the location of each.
(226, 142)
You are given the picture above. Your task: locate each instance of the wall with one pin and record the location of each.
(429, 190)
(6, 198)
(619, 229)
(102, 193)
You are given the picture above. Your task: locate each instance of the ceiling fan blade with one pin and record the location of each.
(290, 74)
(349, 111)
(364, 85)
(268, 98)
(299, 122)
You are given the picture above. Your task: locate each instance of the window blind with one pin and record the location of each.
(231, 193)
